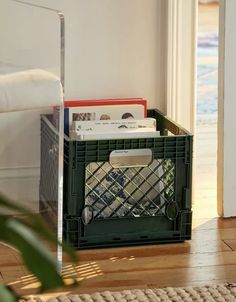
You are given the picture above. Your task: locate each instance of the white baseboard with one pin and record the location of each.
(22, 185)
(19, 172)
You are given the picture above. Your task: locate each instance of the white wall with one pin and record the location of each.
(227, 110)
(114, 48)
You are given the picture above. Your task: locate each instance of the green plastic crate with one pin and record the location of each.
(127, 206)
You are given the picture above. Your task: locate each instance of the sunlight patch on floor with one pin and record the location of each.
(130, 258)
(81, 272)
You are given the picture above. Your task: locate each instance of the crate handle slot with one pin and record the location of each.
(87, 215)
(172, 210)
(131, 158)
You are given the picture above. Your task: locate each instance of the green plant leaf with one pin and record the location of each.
(6, 294)
(37, 224)
(34, 254)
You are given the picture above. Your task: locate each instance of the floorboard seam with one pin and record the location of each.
(228, 245)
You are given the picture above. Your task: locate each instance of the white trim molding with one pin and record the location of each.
(19, 172)
(163, 34)
(220, 130)
(22, 185)
(181, 62)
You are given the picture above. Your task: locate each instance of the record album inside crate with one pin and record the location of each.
(122, 191)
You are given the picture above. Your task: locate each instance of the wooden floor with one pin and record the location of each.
(209, 258)
(208, 17)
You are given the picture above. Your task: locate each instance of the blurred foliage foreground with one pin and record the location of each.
(22, 232)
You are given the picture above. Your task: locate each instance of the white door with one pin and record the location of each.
(227, 110)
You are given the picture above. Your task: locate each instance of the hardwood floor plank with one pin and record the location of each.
(214, 234)
(208, 17)
(214, 223)
(147, 264)
(231, 243)
(12, 273)
(161, 278)
(189, 247)
(157, 278)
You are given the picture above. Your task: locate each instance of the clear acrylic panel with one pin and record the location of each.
(31, 37)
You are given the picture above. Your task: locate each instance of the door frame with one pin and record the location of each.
(181, 62)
